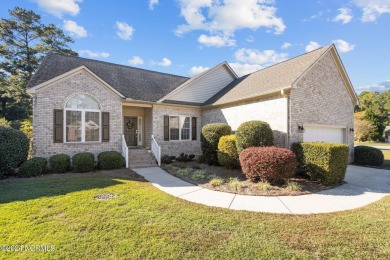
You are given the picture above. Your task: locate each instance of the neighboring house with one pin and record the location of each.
(86, 105)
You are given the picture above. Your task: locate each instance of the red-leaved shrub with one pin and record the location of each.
(270, 164)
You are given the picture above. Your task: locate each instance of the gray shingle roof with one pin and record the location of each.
(135, 83)
(273, 78)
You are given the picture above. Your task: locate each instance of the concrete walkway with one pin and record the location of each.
(364, 186)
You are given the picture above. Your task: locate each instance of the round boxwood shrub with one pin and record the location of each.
(227, 152)
(83, 162)
(14, 147)
(366, 155)
(209, 141)
(254, 134)
(270, 164)
(110, 160)
(34, 167)
(59, 163)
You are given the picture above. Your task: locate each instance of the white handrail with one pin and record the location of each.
(125, 151)
(156, 150)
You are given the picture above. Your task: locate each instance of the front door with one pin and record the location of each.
(131, 130)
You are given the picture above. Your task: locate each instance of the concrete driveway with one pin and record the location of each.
(363, 186)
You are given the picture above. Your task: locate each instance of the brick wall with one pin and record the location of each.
(174, 148)
(272, 110)
(55, 96)
(320, 97)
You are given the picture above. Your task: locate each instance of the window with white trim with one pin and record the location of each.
(82, 120)
(179, 128)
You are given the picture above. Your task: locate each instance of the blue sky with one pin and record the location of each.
(185, 37)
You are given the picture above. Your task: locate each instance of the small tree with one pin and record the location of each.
(363, 128)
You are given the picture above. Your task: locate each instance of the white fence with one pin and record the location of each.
(156, 150)
(125, 151)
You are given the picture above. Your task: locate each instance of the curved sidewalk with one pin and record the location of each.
(364, 186)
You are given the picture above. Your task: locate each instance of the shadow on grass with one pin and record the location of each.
(12, 190)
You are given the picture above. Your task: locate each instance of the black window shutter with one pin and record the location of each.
(105, 126)
(58, 123)
(194, 133)
(166, 128)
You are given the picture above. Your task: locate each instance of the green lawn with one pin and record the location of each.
(386, 154)
(372, 144)
(144, 222)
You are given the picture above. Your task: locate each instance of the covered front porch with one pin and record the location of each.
(137, 130)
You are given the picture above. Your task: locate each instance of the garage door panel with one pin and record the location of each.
(323, 134)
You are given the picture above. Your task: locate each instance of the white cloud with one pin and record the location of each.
(344, 16)
(152, 4)
(217, 41)
(136, 60)
(312, 46)
(165, 62)
(124, 31)
(244, 69)
(254, 56)
(286, 45)
(343, 46)
(379, 87)
(197, 70)
(94, 54)
(73, 29)
(372, 9)
(60, 7)
(227, 16)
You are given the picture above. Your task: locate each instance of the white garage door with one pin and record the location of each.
(324, 134)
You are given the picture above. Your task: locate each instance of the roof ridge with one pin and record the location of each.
(111, 63)
(303, 54)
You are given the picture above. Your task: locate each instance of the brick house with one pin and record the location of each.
(86, 105)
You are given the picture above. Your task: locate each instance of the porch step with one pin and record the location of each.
(140, 158)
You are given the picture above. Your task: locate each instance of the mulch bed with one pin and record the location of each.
(307, 186)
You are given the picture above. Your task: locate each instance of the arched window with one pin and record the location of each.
(82, 120)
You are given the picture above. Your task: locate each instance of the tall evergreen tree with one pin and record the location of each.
(24, 41)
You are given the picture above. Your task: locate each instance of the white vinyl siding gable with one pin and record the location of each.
(204, 87)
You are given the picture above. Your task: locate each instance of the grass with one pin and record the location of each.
(386, 154)
(293, 186)
(372, 144)
(216, 181)
(263, 185)
(144, 222)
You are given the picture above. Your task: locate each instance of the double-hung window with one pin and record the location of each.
(179, 128)
(82, 120)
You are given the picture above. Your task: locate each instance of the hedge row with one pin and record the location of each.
(81, 162)
(325, 162)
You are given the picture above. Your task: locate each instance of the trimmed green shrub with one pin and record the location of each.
(227, 151)
(34, 167)
(14, 147)
(326, 162)
(366, 155)
(59, 163)
(254, 134)
(209, 141)
(83, 162)
(271, 164)
(110, 160)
